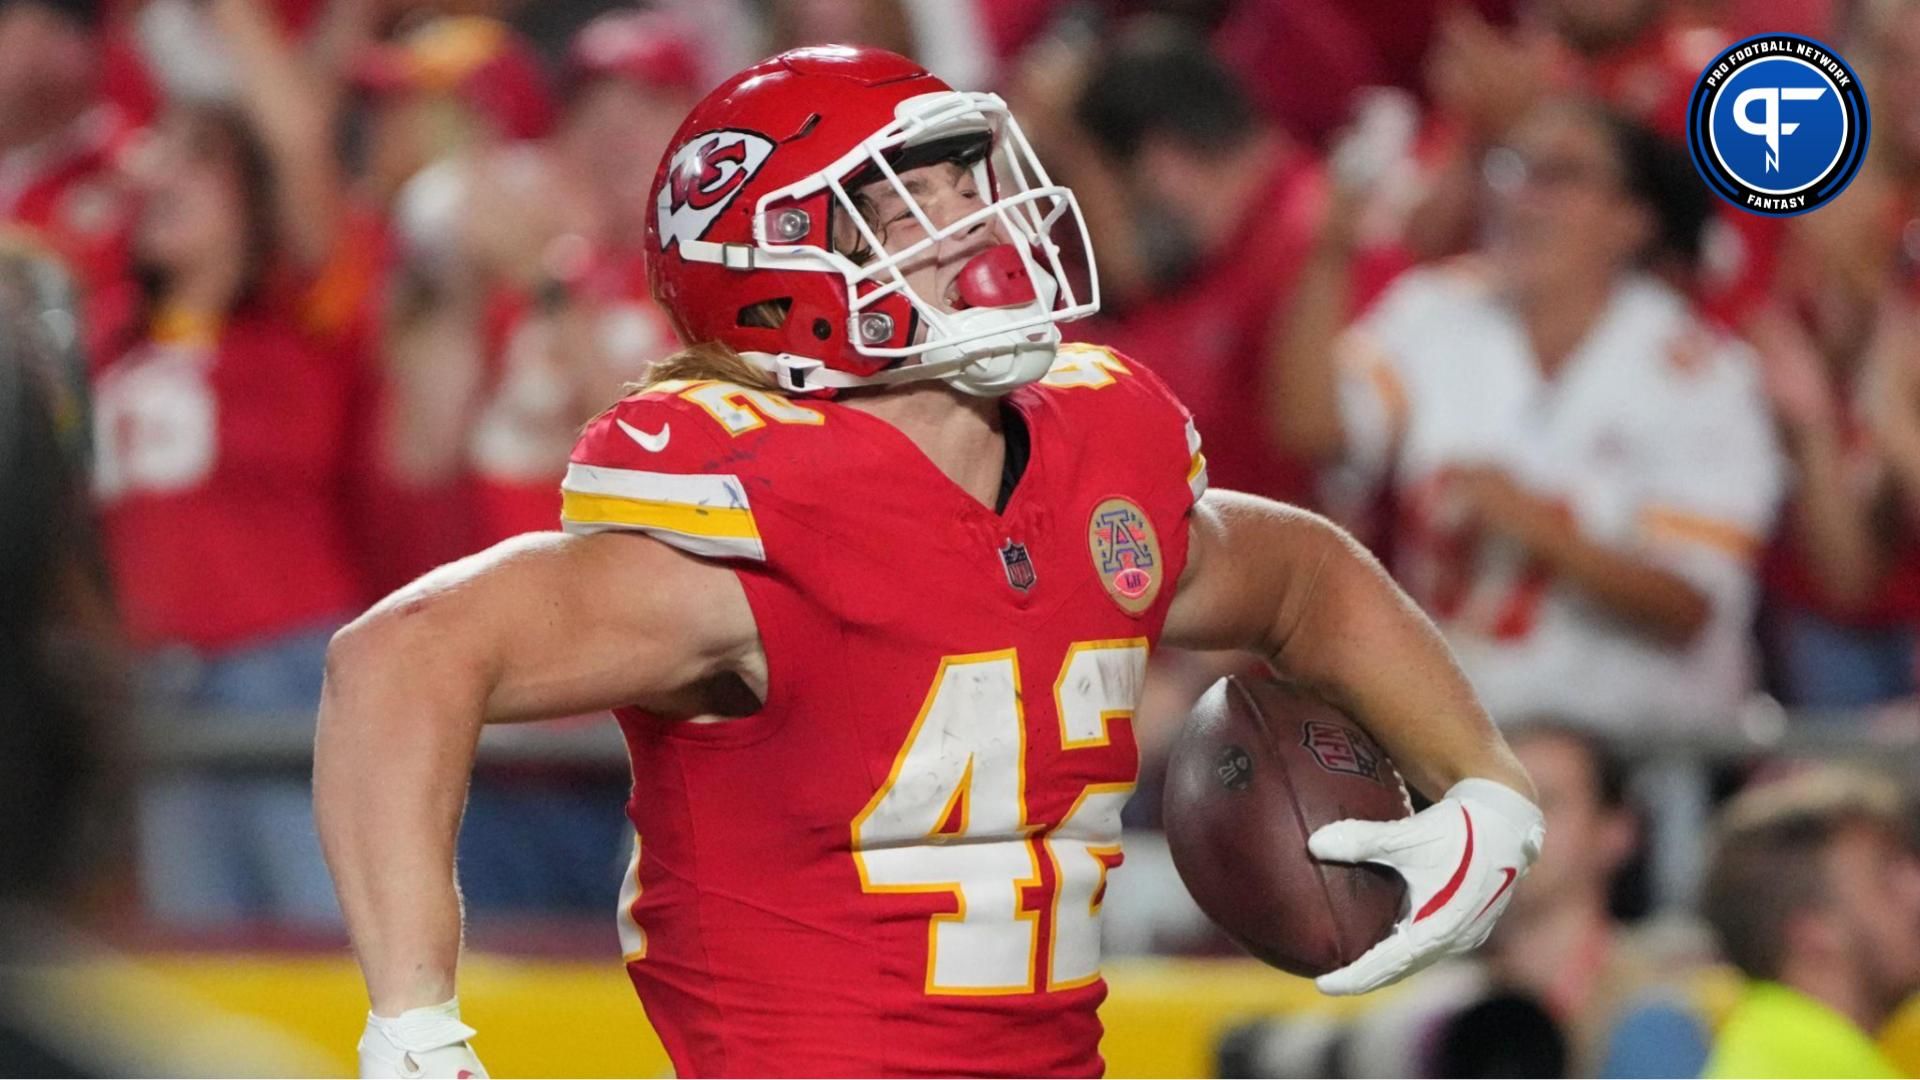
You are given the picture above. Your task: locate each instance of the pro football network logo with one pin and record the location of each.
(1778, 124)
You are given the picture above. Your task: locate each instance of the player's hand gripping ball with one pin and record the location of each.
(1292, 830)
(430, 1041)
(1460, 858)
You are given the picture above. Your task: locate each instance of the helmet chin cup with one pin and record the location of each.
(1007, 361)
(999, 363)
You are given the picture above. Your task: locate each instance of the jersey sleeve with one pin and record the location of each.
(1165, 423)
(650, 465)
(1376, 384)
(1715, 483)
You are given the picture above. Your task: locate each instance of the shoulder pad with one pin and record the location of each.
(663, 462)
(1080, 367)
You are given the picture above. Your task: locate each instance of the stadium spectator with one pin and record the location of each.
(522, 304)
(1616, 992)
(1201, 211)
(1814, 890)
(1582, 469)
(1838, 349)
(226, 421)
(1843, 576)
(522, 299)
(459, 103)
(61, 139)
(439, 87)
(1640, 57)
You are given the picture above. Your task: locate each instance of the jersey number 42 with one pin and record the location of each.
(952, 817)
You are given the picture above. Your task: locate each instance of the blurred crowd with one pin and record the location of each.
(315, 295)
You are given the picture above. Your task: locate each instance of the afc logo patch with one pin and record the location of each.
(1341, 749)
(1018, 564)
(1126, 554)
(707, 172)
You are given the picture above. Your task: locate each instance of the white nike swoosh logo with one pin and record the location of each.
(653, 443)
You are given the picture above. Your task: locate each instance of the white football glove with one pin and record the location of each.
(1460, 858)
(428, 1041)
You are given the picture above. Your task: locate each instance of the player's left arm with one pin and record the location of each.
(1295, 588)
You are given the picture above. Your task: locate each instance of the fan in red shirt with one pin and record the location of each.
(1203, 214)
(519, 309)
(521, 297)
(226, 421)
(1842, 368)
(62, 139)
(575, 319)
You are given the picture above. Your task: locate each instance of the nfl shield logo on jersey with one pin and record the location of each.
(1019, 565)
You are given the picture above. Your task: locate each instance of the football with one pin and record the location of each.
(1259, 766)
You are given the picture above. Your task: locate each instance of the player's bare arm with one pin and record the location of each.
(537, 627)
(1291, 586)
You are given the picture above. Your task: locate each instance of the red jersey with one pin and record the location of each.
(224, 455)
(896, 867)
(1788, 569)
(69, 193)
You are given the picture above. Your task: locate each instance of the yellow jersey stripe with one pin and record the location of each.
(712, 521)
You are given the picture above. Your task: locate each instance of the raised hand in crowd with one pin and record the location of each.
(1484, 78)
(1481, 79)
(1046, 81)
(1794, 376)
(1892, 395)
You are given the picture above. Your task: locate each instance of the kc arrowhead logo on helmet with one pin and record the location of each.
(705, 175)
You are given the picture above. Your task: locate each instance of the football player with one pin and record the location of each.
(869, 574)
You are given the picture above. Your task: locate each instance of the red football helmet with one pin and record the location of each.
(742, 213)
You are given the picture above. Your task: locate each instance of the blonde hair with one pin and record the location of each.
(713, 361)
(708, 361)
